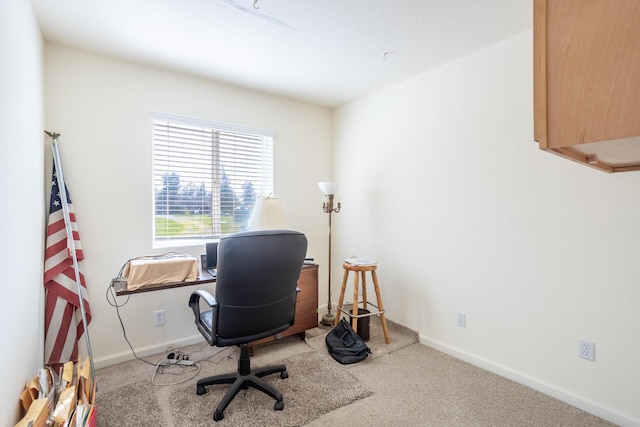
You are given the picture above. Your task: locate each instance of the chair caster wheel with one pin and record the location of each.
(201, 390)
(218, 415)
(279, 406)
(284, 374)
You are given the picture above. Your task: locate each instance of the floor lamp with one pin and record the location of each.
(329, 189)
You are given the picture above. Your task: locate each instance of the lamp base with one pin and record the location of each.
(328, 319)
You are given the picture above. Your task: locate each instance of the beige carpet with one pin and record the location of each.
(403, 383)
(326, 387)
(316, 385)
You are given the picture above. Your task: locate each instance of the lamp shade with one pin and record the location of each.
(328, 187)
(267, 214)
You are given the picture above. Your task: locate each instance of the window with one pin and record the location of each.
(207, 176)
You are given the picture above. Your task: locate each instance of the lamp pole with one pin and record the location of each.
(329, 318)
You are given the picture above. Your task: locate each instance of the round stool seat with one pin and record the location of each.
(351, 267)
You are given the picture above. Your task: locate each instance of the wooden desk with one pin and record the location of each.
(306, 303)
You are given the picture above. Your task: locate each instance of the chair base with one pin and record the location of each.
(242, 380)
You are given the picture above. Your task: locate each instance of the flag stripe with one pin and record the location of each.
(64, 285)
(62, 339)
(57, 223)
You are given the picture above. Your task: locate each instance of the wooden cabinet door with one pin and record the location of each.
(587, 81)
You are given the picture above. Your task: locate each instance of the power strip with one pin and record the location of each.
(180, 362)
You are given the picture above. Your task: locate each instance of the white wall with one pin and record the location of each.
(102, 109)
(21, 202)
(443, 185)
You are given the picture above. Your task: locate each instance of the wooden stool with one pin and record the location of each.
(362, 269)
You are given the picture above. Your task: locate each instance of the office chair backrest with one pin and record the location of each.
(256, 286)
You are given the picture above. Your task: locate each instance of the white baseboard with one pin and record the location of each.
(159, 348)
(566, 396)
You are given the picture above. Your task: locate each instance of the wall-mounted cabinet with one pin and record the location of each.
(587, 81)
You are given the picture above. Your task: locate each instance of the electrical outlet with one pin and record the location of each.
(158, 317)
(461, 318)
(587, 350)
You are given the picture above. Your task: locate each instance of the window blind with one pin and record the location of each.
(207, 176)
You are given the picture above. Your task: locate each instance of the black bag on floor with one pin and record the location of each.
(345, 345)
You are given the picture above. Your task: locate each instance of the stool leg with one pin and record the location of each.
(380, 306)
(364, 289)
(345, 276)
(354, 311)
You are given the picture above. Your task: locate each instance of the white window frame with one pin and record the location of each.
(202, 153)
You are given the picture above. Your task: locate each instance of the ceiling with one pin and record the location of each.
(325, 52)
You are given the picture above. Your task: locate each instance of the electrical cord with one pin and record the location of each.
(166, 255)
(175, 359)
(124, 331)
(167, 364)
(114, 303)
(178, 361)
(220, 353)
(164, 364)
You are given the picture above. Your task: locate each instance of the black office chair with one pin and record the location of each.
(255, 297)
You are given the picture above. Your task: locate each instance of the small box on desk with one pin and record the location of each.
(157, 271)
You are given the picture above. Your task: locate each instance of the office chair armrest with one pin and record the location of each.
(205, 328)
(205, 295)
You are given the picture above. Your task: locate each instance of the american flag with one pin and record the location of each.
(63, 320)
